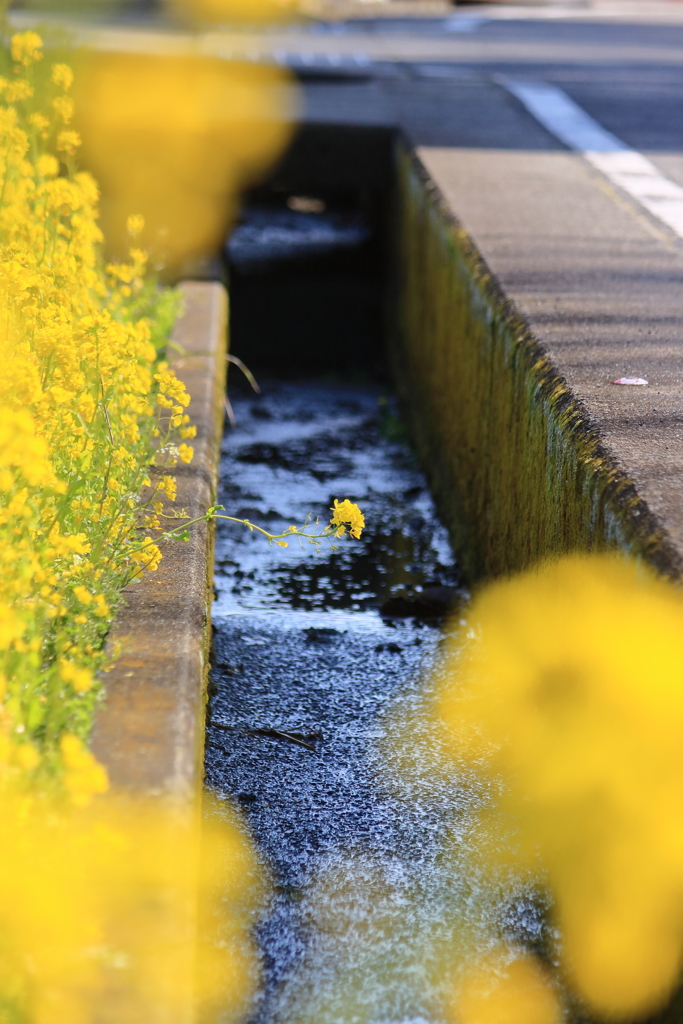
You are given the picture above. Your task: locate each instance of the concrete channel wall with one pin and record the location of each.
(518, 468)
(149, 731)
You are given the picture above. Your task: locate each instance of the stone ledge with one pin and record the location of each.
(524, 463)
(149, 730)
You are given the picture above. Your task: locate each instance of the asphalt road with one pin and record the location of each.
(623, 64)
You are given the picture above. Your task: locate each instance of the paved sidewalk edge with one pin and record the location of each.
(517, 467)
(149, 730)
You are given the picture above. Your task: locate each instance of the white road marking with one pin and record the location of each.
(666, 12)
(623, 166)
(463, 24)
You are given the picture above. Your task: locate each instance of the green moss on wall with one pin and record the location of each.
(518, 470)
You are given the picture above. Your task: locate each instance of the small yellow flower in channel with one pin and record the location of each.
(185, 452)
(345, 514)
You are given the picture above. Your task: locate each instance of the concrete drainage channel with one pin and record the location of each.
(312, 651)
(350, 258)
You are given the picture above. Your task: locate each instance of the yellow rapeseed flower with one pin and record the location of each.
(185, 452)
(202, 128)
(68, 142)
(63, 106)
(503, 988)
(135, 224)
(27, 757)
(79, 376)
(27, 48)
(346, 513)
(63, 76)
(571, 692)
(123, 912)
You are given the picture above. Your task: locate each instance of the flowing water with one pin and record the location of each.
(320, 666)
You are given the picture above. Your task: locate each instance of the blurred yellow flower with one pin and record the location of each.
(68, 142)
(124, 911)
(63, 76)
(63, 107)
(84, 777)
(176, 138)
(27, 48)
(135, 224)
(80, 678)
(27, 757)
(47, 165)
(505, 989)
(571, 692)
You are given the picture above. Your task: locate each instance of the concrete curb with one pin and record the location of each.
(518, 468)
(149, 731)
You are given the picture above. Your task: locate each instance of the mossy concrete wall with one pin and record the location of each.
(518, 470)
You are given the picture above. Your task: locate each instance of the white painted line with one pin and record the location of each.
(564, 118)
(637, 11)
(623, 166)
(463, 24)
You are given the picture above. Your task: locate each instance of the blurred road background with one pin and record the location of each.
(554, 133)
(435, 69)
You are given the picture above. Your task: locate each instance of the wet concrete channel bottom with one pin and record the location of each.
(313, 656)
